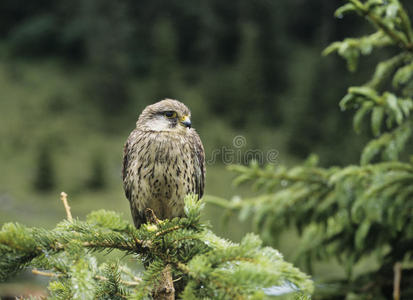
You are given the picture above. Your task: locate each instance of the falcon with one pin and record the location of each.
(163, 161)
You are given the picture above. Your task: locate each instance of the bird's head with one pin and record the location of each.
(165, 115)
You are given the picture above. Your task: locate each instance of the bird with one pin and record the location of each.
(163, 161)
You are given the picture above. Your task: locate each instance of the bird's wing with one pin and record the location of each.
(200, 165)
(127, 160)
(127, 175)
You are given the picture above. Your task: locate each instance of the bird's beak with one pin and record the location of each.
(186, 121)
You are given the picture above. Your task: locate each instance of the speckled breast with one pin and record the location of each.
(164, 166)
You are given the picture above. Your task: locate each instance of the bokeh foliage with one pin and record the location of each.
(222, 59)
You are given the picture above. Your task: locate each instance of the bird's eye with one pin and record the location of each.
(170, 114)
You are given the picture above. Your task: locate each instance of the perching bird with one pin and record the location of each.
(163, 161)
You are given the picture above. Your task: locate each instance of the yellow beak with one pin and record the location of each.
(186, 121)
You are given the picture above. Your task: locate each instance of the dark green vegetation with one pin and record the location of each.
(251, 68)
(360, 211)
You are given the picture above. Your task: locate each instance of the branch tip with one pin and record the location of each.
(63, 197)
(47, 274)
(397, 279)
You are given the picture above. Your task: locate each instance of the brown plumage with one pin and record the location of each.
(163, 161)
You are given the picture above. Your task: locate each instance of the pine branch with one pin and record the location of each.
(397, 37)
(351, 212)
(99, 277)
(182, 256)
(357, 187)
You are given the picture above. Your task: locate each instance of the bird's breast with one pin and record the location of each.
(164, 173)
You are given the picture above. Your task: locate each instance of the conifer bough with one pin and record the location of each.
(204, 266)
(358, 211)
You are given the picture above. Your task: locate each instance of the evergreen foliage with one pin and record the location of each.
(204, 265)
(350, 213)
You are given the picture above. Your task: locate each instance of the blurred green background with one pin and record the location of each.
(74, 76)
